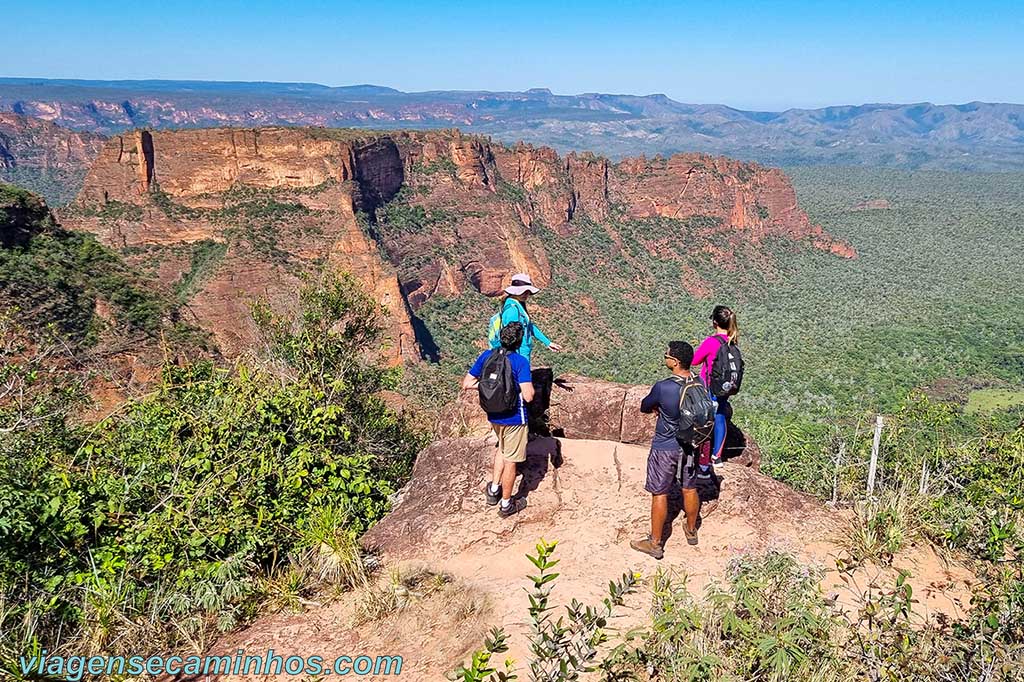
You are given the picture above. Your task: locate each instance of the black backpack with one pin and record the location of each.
(696, 412)
(498, 389)
(727, 369)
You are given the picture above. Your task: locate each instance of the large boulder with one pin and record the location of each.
(568, 406)
(577, 407)
(581, 407)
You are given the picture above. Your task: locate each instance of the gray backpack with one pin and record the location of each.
(696, 412)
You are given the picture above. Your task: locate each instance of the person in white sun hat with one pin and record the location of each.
(513, 309)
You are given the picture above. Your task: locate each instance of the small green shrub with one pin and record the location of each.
(562, 649)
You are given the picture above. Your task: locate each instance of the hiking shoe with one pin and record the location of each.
(517, 505)
(648, 547)
(691, 535)
(717, 461)
(492, 498)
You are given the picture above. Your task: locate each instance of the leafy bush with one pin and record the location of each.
(178, 516)
(769, 620)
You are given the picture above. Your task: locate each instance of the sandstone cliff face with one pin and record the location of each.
(281, 202)
(413, 214)
(33, 143)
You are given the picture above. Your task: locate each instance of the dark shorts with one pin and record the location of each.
(661, 472)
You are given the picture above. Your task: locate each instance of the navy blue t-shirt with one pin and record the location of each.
(664, 395)
(521, 372)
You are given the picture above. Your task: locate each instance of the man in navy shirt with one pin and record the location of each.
(663, 460)
(510, 427)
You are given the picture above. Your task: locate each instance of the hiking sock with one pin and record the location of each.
(506, 503)
(493, 488)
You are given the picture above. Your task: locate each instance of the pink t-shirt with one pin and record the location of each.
(705, 356)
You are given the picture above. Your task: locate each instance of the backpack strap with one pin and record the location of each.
(684, 385)
(684, 456)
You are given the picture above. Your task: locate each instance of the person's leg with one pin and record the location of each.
(661, 476)
(659, 512)
(492, 491)
(513, 452)
(499, 460)
(721, 424)
(508, 480)
(691, 498)
(691, 506)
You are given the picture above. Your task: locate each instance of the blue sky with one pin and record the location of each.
(768, 55)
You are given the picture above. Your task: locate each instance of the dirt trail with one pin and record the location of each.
(587, 495)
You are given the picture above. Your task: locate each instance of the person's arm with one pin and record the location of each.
(650, 403)
(525, 378)
(472, 378)
(539, 335)
(543, 338)
(704, 350)
(526, 390)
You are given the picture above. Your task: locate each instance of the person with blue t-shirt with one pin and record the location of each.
(513, 309)
(510, 427)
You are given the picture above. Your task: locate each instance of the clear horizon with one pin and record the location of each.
(493, 90)
(767, 56)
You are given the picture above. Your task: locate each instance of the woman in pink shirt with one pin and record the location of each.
(726, 331)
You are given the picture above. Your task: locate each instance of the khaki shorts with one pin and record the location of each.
(512, 440)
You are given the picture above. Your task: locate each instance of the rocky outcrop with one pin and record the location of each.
(283, 202)
(589, 496)
(568, 406)
(724, 194)
(577, 407)
(27, 142)
(412, 214)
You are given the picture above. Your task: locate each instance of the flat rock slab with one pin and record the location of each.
(587, 495)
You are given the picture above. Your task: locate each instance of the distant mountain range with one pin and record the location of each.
(972, 136)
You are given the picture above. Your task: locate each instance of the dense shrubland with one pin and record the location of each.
(224, 490)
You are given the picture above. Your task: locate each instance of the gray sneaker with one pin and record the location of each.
(517, 505)
(647, 546)
(691, 535)
(492, 498)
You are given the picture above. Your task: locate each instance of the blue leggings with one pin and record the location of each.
(722, 416)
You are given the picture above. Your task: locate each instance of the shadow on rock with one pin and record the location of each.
(542, 453)
(740, 449)
(540, 419)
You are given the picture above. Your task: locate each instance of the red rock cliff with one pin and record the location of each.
(282, 202)
(33, 143)
(413, 214)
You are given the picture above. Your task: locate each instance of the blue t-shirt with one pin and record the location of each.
(521, 372)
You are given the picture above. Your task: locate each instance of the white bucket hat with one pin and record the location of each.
(521, 283)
